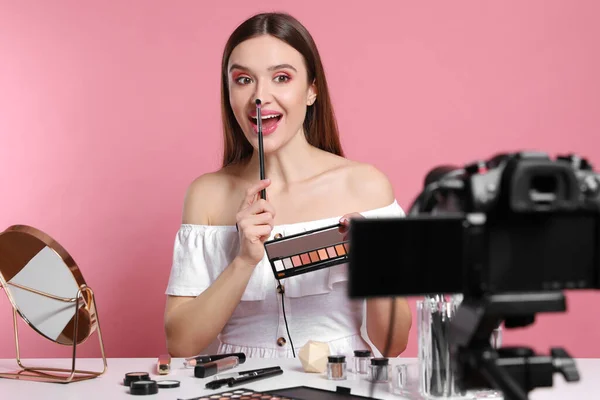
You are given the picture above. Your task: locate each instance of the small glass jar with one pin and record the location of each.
(404, 379)
(379, 370)
(361, 361)
(336, 368)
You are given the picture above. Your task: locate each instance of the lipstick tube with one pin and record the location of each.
(214, 367)
(163, 364)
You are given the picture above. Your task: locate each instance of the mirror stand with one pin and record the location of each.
(57, 375)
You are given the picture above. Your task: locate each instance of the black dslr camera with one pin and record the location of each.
(509, 233)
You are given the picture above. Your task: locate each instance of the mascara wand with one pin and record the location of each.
(261, 153)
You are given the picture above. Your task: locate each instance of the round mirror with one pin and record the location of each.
(45, 285)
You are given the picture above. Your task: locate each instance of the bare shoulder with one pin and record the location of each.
(359, 186)
(205, 196)
(369, 185)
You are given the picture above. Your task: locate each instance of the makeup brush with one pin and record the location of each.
(261, 153)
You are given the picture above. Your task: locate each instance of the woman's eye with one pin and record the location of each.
(244, 80)
(281, 78)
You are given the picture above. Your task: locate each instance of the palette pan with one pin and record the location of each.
(308, 251)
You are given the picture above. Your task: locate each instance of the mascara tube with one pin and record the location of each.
(214, 367)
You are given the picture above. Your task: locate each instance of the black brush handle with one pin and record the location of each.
(252, 378)
(261, 151)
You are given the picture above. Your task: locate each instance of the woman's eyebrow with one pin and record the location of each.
(274, 67)
(282, 66)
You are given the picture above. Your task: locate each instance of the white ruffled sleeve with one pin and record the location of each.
(200, 254)
(391, 211)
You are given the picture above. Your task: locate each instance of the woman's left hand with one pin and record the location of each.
(345, 222)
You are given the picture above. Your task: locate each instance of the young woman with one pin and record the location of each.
(221, 283)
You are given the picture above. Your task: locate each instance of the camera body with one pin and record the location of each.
(509, 233)
(518, 222)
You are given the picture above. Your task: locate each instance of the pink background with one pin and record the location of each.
(109, 110)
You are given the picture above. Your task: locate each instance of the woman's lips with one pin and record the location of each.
(270, 121)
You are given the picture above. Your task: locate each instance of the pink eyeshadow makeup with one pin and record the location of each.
(331, 252)
(305, 258)
(307, 251)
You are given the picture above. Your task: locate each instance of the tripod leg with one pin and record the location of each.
(501, 379)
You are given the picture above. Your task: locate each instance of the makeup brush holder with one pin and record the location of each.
(436, 377)
(437, 380)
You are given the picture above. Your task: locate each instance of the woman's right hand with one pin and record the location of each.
(255, 220)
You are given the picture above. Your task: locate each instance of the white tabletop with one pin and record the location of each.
(110, 385)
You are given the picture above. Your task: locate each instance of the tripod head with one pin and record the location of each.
(509, 233)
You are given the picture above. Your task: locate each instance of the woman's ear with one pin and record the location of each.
(312, 94)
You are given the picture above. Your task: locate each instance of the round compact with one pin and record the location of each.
(135, 376)
(143, 387)
(168, 384)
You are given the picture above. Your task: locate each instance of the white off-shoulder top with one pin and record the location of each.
(316, 304)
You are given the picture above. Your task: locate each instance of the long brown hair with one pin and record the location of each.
(319, 125)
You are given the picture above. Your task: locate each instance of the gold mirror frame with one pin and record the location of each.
(22, 246)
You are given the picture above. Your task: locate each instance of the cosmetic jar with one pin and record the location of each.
(135, 376)
(143, 387)
(361, 361)
(336, 367)
(379, 370)
(404, 379)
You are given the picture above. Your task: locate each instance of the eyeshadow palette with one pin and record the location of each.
(310, 393)
(291, 393)
(307, 251)
(241, 394)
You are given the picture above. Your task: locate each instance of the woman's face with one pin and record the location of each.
(269, 69)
